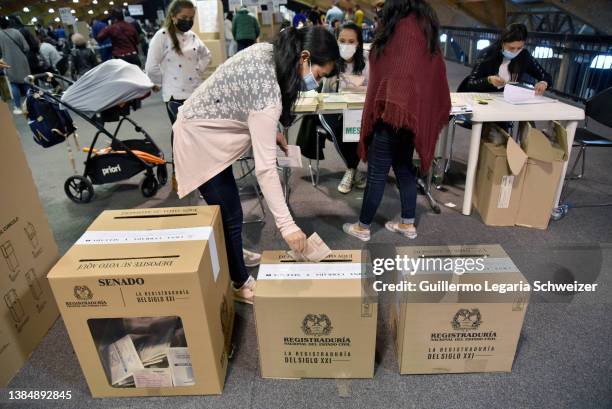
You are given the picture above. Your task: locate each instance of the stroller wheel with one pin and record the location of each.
(162, 174)
(149, 186)
(79, 189)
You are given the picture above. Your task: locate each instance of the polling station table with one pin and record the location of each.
(498, 110)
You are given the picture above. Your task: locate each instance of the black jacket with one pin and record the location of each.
(83, 60)
(488, 63)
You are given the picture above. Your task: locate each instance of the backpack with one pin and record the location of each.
(48, 121)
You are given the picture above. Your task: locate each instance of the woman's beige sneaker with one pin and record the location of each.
(251, 259)
(353, 230)
(246, 293)
(409, 232)
(346, 184)
(360, 180)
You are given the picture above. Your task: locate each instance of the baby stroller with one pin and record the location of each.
(105, 94)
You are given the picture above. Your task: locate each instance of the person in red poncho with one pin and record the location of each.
(407, 105)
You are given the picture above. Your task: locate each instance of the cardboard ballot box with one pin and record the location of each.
(314, 320)
(441, 330)
(516, 184)
(27, 252)
(147, 301)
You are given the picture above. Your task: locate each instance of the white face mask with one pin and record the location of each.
(347, 51)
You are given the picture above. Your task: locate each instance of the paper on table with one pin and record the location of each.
(180, 365)
(519, 95)
(316, 250)
(153, 378)
(293, 159)
(122, 359)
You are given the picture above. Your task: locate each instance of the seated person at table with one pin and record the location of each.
(507, 60)
(352, 77)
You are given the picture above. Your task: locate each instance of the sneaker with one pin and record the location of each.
(352, 230)
(361, 180)
(251, 259)
(17, 111)
(346, 184)
(246, 293)
(409, 232)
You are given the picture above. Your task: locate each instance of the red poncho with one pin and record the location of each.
(407, 88)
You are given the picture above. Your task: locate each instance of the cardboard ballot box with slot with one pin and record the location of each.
(146, 297)
(438, 330)
(315, 320)
(27, 252)
(516, 184)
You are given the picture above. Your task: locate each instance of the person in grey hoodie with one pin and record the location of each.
(13, 50)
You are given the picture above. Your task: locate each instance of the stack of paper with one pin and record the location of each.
(306, 104)
(333, 101)
(460, 104)
(355, 100)
(316, 250)
(518, 96)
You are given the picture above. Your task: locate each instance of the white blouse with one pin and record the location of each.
(177, 75)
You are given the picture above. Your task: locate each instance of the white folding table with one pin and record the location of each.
(497, 110)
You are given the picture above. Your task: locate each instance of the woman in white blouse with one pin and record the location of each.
(177, 58)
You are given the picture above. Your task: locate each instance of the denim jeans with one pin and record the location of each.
(18, 90)
(222, 190)
(389, 148)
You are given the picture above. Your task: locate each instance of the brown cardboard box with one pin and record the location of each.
(542, 174)
(453, 332)
(27, 252)
(498, 183)
(134, 265)
(314, 320)
(516, 185)
(214, 41)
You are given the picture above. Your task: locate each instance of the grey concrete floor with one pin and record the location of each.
(564, 358)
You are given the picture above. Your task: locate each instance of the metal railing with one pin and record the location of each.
(581, 65)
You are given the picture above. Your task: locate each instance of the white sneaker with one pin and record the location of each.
(246, 293)
(251, 259)
(361, 180)
(351, 229)
(346, 184)
(17, 111)
(410, 232)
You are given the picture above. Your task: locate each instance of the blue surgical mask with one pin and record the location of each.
(309, 81)
(510, 55)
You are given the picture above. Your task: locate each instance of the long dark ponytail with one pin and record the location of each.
(359, 58)
(288, 47)
(395, 10)
(173, 9)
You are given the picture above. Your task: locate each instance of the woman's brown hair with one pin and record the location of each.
(175, 7)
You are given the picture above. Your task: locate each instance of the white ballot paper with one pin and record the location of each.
(180, 365)
(122, 360)
(293, 159)
(316, 250)
(153, 378)
(520, 96)
(153, 348)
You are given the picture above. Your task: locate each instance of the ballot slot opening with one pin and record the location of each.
(340, 260)
(143, 352)
(153, 216)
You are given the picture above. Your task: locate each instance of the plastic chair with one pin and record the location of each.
(598, 108)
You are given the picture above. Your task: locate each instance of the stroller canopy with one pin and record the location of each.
(110, 83)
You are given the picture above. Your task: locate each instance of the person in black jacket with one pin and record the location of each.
(83, 58)
(506, 61)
